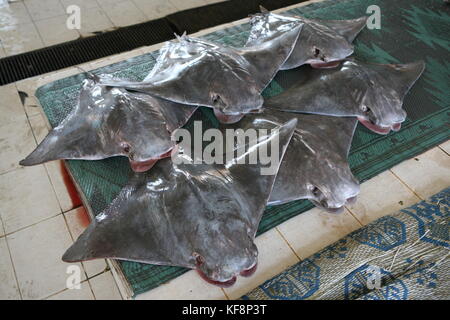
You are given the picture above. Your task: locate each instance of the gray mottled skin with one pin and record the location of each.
(109, 122)
(200, 72)
(200, 216)
(315, 165)
(321, 43)
(372, 92)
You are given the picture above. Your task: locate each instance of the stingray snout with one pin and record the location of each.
(228, 283)
(333, 201)
(242, 263)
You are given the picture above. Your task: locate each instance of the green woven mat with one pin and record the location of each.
(410, 30)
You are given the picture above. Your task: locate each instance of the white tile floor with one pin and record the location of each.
(38, 219)
(33, 24)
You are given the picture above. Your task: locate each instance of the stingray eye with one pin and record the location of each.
(216, 99)
(199, 260)
(365, 108)
(126, 148)
(121, 100)
(314, 190)
(316, 52)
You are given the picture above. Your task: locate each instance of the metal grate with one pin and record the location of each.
(196, 19)
(82, 50)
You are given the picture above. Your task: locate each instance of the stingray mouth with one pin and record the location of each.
(228, 118)
(351, 200)
(380, 129)
(222, 284)
(228, 283)
(334, 209)
(142, 166)
(249, 272)
(325, 65)
(321, 61)
(327, 208)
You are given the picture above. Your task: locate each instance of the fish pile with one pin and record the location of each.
(204, 216)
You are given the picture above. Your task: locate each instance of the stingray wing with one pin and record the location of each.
(267, 55)
(398, 77)
(199, 72)
(335, 92)
(267, 26)
(115, 122)
(136, 226)
(343, 91)
(79, 136)
(371, 92)
(178, 212)
(340, 130)
(315, 165)
(349, 29)
(175, 114)
(315, 158)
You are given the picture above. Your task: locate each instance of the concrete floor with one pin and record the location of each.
(33, 24)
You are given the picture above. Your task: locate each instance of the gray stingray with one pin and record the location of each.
(322, 43)
(199, 216)
(199, 72)
(109, 122)
(315, 165)
(371, 92)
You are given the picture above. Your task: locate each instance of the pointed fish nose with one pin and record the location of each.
(401, 116)
(348, 51)
(334, 200)
(331, 205)
(394, 119)
(345, 49)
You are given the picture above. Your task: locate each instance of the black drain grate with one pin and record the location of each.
(196, 19)
(83, 50)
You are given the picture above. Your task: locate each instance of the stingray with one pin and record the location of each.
(199, 72)
(371, 92)
(322, 43)
(109, 122)
(198, 216)
(315, 165)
